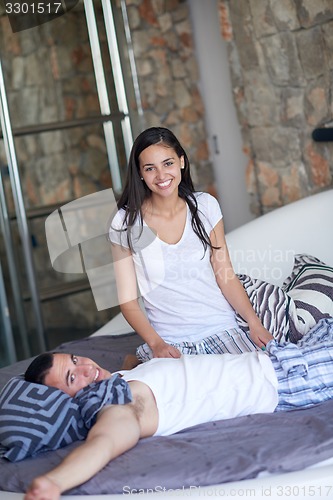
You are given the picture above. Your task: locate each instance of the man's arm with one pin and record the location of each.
(118, 429)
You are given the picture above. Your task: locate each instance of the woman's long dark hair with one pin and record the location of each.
(136, 192)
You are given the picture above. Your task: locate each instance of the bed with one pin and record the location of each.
(279, 455)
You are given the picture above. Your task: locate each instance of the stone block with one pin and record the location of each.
(165, 22)
(285, 14)
(271, 144)
(311, 52)
(29, 41)
(315, 156)
(58, 185)
(262, 16)
(267, 174)
(292, 106)
(190, 115)
(316, 104)
(181, 94)
(243, 30)
(33, 68)
(250, 177)
(178, 9)
(192, 69)
(262, 99)
(141, 42)
(178, 69)
(282, 60)
(18, 72)
(61, 192)
(291, 183)
(270, 197)
(327, 32)
(312, 12)
(24, 107)
(173, 41)
(144, 67)
(173, 118)
(147, 13)
(163, 105)
(92, 163)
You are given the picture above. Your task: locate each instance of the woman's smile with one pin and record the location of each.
(164, 184)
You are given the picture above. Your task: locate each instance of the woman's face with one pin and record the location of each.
(160, 167)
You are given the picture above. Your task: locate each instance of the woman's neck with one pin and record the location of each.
(168, 207)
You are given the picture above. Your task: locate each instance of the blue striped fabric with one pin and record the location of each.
(304, 370)
(36, 418)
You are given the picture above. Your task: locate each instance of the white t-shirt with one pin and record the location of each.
(180, 294)
(195, 389)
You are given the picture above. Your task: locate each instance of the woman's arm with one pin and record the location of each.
(130, 307)
(232, 289)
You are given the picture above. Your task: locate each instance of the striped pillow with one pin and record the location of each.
(36, 418)
(270, 303)
(310, 289)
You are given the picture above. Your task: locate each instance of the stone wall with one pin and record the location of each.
(280, 54)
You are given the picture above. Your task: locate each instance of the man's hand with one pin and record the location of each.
(42, 488)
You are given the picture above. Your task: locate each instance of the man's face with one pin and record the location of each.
(71, 373)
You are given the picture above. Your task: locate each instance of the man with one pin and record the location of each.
(171, 394)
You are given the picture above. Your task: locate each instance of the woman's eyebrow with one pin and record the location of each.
(163, 161)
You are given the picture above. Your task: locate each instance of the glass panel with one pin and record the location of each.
(52, 95)
(7, 349)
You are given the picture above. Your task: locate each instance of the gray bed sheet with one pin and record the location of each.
(212, 453)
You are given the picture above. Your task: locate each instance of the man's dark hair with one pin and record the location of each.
(39, 368)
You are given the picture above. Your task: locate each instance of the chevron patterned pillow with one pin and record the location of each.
(36, 418)
(310, 292)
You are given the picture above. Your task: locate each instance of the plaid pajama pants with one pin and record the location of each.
(233, 341)
(304, 370)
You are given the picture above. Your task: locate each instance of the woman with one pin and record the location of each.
(170, 240)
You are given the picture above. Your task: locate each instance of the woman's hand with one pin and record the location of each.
(42, 488)
(164, 350)
(260, 336)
